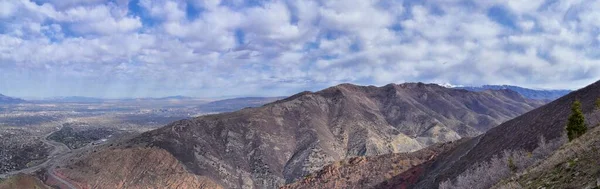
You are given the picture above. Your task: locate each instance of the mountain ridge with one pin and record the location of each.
(539, 94)
(548, 121)
(10, 100)
(278, 143)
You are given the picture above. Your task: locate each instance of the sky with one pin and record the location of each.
(215, 48)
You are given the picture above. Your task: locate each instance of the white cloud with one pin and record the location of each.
(293, 45)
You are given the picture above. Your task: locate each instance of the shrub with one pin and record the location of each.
(576, 124)
(487, 174)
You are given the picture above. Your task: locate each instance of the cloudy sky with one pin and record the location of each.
(211, 48)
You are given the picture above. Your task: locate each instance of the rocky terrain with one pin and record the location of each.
(574, 165)
(513, 143)
(370, 171)
(133, 168)
(521, 133)
(278, 143)
(539, 94)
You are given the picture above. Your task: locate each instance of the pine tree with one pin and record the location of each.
(576, 124)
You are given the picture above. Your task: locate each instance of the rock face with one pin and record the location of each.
(370, 171)
(522, 132)
(280, 142)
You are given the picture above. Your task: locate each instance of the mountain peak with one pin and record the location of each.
(10, 100)
(280, 142)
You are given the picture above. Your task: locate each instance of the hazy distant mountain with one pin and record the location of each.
(178, 97)
(234, 104)
(82, 99)
(528, 93)
(267, 146)
(10, 100)
(74, 99)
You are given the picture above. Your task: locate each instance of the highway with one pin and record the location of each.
(58, 153)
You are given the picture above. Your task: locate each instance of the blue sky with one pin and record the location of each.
(213, 48)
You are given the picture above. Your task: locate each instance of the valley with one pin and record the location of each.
(283, 141)
(410, 135)
(41, 135)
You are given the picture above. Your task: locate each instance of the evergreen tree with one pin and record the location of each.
(576, 124)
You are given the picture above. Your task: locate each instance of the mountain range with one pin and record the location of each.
(539, 94)
(10, 100)
(228, 105)
(469, 161)
(283, 141)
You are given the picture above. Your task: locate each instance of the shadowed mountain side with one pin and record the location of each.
(280, 142)
(522, 132)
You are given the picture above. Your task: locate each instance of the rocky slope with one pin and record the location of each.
(521, 133)
(574, 165)
(280, 142)
(370, 171)
(133, 168)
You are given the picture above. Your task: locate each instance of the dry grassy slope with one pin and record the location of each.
(22, 181)
(282, 141)
(522, 132)
(133, 168)
(575, 165)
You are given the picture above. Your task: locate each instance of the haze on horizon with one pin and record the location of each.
(213, 48)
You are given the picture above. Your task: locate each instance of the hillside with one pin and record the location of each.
(22, 181)
(278, 143)
(133, 168)
(10, 100)
(574, 165)
(527, 93)
(370, 171)
(521, 133)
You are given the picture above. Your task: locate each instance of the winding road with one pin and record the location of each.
(58, 153)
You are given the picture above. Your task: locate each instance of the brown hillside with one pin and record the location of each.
(280, 142)
(134, 168)
(522, 132)
(22, 181)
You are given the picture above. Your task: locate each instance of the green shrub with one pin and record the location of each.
(576, 125)
(511, 165)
